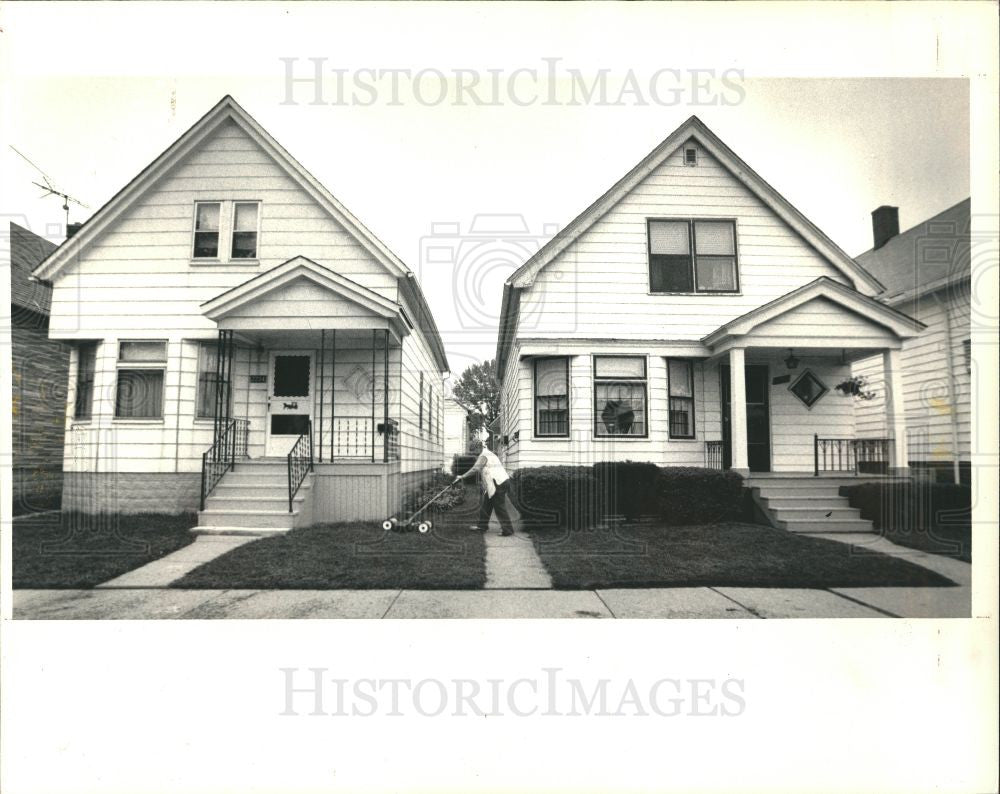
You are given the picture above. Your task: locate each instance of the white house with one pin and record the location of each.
(241, 343)
(691, 316)
(456, 429)
(926, 273)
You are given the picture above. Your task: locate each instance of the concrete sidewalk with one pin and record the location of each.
(681, 602)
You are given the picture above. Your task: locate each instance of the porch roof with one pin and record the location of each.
(300, 294)
(820, 314)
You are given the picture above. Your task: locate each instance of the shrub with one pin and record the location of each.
(627, 488)
(419, 496)
(931, 516)
(556, 496)
(689, 495)
(460, 464)
(579, 496)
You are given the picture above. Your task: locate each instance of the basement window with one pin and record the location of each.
(808, 388)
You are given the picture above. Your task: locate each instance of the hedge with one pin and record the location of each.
(580, 496)
(931, 516)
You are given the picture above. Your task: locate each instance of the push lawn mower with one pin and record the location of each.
(424, 526)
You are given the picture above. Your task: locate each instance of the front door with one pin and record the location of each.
(289, 400)
(758, 417)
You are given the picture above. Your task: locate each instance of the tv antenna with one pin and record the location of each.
(49, 188)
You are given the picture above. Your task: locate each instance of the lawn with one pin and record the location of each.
(73, 550)
(731, 554)
(360, 556)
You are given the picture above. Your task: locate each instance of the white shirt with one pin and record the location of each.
(491, 471)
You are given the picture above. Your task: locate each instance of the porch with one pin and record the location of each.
(306, 405)
(786, 392)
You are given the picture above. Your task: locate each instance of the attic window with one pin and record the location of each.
(206, 229)
(690, 156)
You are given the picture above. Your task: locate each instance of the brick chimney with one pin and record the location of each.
(885, 225)
(72, 228)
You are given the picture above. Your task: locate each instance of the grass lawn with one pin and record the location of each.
(731, 554)
(361, 556)
(72, 550)
(948, 541)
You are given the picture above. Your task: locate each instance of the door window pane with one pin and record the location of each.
(291, 376)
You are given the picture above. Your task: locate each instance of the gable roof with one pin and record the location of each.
(299, 267)
(900, 324)
(694, 128)
(931, 255)
(227, 109)
(27, 249)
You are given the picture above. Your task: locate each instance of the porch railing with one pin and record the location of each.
(713, 455)
(359, 438)
(850, 455)
(221, 456)
(300, 463)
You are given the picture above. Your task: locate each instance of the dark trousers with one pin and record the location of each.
(497, 502)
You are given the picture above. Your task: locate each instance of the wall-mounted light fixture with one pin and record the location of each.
(791, 362)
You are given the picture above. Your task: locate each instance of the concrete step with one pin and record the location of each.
(266, 503)
(255, 531)
(229, 489)
(262, 463)
(254, 519)
(808, 525)
(781, 502)
(274, 478)
(817, 513)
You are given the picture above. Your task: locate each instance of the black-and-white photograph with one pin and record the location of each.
(468, 312)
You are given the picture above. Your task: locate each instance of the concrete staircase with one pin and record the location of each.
(253, 499)
(802, 503)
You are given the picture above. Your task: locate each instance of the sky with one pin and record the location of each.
(490, 182)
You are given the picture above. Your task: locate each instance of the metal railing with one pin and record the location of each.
(300, 463)
(221, 456)
(713, 455)
(359, 438)
(850, 455)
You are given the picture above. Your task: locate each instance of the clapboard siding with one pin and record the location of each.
(137, 281)
(930, 407)
(152, 242)
(607, 265)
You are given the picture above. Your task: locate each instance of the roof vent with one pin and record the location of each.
(885, 225)
(690, 156)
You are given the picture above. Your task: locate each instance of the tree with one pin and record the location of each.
(478, 389)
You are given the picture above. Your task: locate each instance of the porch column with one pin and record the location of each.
(738, 411)
(895, 411)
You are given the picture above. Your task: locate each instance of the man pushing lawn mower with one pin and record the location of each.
(495, 482)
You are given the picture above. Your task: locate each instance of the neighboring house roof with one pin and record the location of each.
(27, 249)
(695, 128)
(823, 287)
(228, 109)
(455, 402)
(931, 255)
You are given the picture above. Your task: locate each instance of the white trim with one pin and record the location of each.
(695, 129)
(227, 109)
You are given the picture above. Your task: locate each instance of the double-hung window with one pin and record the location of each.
(680, 383)
(420, 420)
(226, 230)
(620, 396)
(244, 240)
(86, 357)
(141, 368)
(207, 217)
(692, 256)
(552, 397)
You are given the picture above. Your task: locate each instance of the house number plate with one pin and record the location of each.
(258, 378)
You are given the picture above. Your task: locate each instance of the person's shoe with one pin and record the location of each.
(476, 528)
(507, 534)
